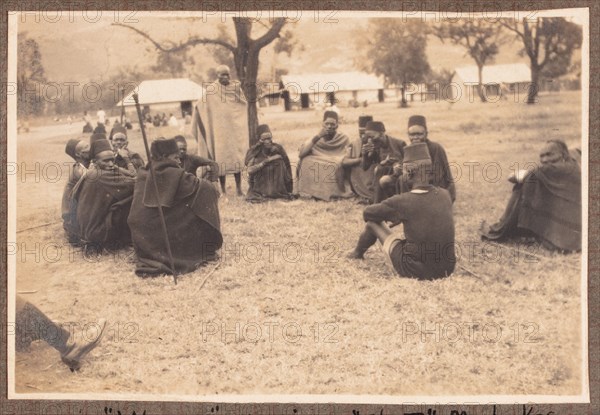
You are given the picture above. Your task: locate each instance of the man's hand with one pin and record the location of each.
(322, 134)
(368, 147)
(518, 176)
(123, 152)
(397, 169)
(273, 158)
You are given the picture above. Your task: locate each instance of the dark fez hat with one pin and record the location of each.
(417, 120)
(414, 153)
(98, 146)
(100, 129)
(119, 130)
(375, 126)
(263, 128)
(70, 148)
(163, 147)
(96, 137)
(330, 114)
(363, 120)
(180, 139)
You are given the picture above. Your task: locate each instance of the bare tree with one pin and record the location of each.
(245, 52)
(547, 41)
(481, 38)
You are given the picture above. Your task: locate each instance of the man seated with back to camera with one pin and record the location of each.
(427, 251)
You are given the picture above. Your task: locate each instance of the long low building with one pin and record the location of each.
(497, 80)
(343, 88)
(176, 96)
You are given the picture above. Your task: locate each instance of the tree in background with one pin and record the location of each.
(441, 76)
(480, 37)
(174, 65)
(245, 51)
(222, 56)
(549, 43)
(395, 49)
(30, 77)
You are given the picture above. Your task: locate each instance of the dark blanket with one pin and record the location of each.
(548, 204)
(76, 172)
(100, 205)
(190, 207)
(393, 150)
(191, 163)
(272, 181)
(135, 159)
(383, 159)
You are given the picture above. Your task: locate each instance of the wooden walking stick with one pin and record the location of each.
(152, 174)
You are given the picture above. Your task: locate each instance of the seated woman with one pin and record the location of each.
(320, 170)
(545, 202)
(190, 209)
(269, 170)
(100, 201)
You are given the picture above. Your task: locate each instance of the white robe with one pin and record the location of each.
(220, 126)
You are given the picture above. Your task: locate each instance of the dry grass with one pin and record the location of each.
(283, 267)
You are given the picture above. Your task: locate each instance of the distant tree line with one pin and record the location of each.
(393, 48)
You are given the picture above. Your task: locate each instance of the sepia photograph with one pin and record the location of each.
(319, 206)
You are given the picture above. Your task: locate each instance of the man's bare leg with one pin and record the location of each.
(222, 181)
(238, 183)
(380, 230)
(373, 232)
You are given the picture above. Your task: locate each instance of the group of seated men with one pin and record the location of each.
(111, 201)
(112, 198)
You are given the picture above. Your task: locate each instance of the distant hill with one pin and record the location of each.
(81, 51)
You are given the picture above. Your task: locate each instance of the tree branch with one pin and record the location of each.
(193, 41)
(271, 34)
(512, 29)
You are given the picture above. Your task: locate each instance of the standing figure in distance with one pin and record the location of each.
(220, 126)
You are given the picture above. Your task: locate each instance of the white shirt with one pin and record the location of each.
(101, 116)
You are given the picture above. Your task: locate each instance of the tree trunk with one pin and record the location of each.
(480, 83)
(533, 89)
(250, 89)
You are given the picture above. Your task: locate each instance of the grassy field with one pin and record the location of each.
(284, 312)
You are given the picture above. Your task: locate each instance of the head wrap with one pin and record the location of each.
(261, 129)
(96, 137)
(162, 147)
(375, 126)
(363, 120)
(71, 146)
(561, 147)
(415, 153)
(223, 68)
(330, 114)
(98, 146)
(417, 120)
(180, 139)
(118, 130)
